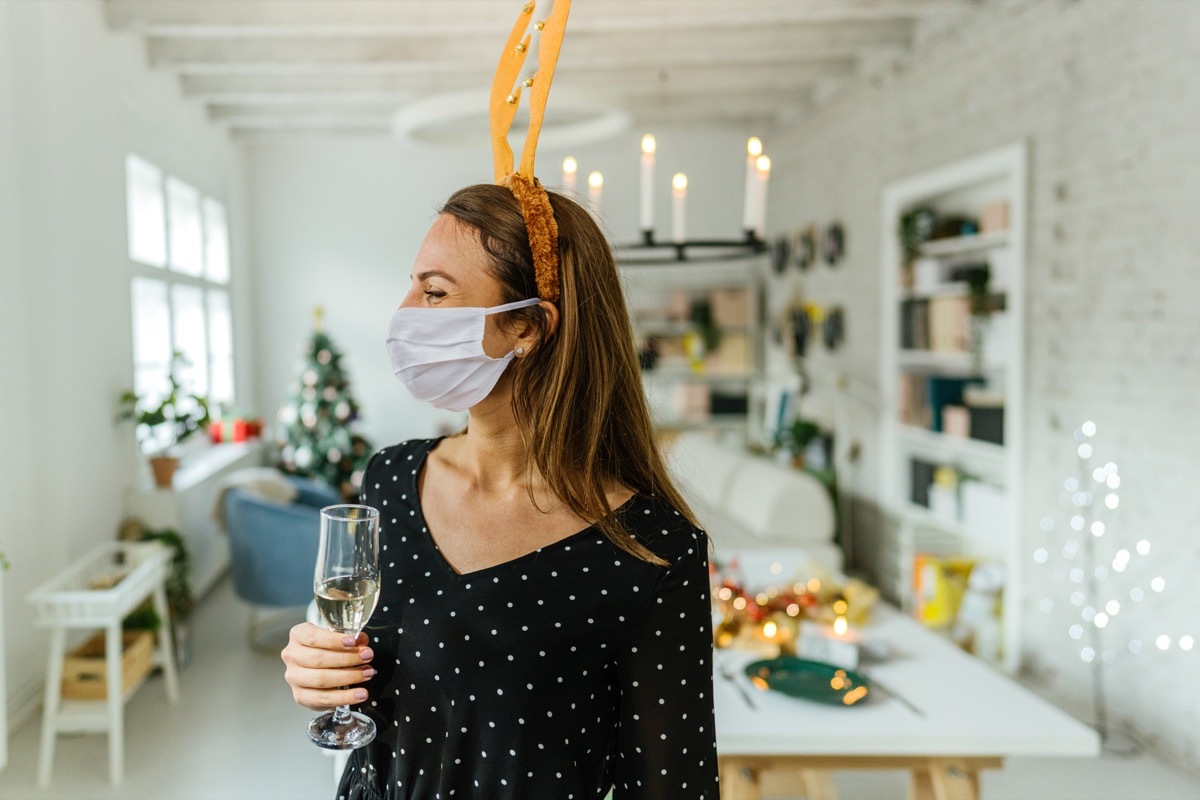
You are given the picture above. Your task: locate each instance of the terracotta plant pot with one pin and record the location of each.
(164, 470)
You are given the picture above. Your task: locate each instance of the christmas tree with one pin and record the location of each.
(318, 442)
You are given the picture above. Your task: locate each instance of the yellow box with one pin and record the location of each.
(85, 669)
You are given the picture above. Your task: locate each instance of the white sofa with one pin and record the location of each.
(754, 507)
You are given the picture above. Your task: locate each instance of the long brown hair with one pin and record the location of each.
(577, 398)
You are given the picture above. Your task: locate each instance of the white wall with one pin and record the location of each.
(1105, 94)
(74, 99)
(338, 223)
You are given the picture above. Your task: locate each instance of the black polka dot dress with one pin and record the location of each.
(559, 675)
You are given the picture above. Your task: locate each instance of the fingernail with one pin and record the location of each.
(360, 695)
(348, 641)
(365, 654)
(369, 672)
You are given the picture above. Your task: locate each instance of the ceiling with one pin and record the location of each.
(288, 67)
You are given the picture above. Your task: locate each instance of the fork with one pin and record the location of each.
(728, 675)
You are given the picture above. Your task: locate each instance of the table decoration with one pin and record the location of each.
(774, 620)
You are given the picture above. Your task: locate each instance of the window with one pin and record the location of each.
(179, 246)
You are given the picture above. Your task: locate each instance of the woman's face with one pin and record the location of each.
(451, 271)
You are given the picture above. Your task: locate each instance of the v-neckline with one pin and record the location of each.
(428, 538)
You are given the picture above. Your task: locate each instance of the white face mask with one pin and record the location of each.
(437, 353)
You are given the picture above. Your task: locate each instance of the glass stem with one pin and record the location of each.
(341, 715)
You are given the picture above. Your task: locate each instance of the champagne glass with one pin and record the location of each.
(346, 584)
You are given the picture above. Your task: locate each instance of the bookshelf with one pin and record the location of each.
(717, 389)
(952, 449)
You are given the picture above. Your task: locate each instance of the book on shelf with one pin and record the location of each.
(949, 324)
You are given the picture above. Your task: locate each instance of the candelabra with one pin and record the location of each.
(648, 250)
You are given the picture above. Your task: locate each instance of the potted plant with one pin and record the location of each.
(180, 600)
(180, 413)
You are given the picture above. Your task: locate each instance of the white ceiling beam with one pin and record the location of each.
(647, 46)
(350, 18)
(394, 91)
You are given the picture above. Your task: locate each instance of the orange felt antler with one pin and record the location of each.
(534, 202)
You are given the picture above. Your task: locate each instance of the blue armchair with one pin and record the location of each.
(273, 546)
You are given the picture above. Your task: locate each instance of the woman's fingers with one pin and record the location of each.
(323, 667)
(322, 700)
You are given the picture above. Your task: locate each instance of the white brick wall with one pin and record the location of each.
(1107, 94)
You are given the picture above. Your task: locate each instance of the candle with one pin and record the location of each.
(679, 194)
(647, 182)
(569, 169)
(753, 151)
(595, 187)
(762, 170)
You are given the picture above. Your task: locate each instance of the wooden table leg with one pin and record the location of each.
(944, 779)
(739, 780)
(818, 784)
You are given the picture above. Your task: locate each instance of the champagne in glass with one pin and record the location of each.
(346, 584)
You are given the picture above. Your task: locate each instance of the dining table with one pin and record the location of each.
(933, 710)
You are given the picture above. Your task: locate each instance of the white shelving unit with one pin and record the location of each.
(959, 188)
(648, 288)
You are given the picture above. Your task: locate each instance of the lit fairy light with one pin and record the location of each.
(1076, 575)
(1077, 599)
(1088, 428)
(1186, 642)
(1041, 555)
(1163, 642)
(1071, 485)
(1136, 594)
(1087, 654)
(1101, 573)
(1143, 548)
(1111, 501)
(1075, 631)
(1099, 475)
(1088, 614)
(1085, 450)
(1097, 529)
(1113, 481)
(1100, 620)
(1113, 607)
(1047, 524)
(1077, 522)
(1070, 549)
(1120, 560)
(1135, 646)
(1158, 583)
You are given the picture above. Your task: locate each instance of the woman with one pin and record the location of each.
(543, 630)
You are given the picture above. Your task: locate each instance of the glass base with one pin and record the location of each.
(354, 731)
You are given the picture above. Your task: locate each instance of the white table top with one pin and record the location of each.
(970, 709)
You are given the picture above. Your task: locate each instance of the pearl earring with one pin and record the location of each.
(520, 351)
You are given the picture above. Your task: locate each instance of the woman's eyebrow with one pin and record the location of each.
(435, 273)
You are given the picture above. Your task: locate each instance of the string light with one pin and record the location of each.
(1090, 568)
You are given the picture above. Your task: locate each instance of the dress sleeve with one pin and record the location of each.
(666, 739)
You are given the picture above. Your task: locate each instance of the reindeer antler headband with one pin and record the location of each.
(534, 202)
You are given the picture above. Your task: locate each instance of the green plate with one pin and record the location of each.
(810, 680)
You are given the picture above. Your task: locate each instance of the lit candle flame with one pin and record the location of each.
(763, 165)
(648, 144)
(840, 626)
(679, 182)
(754, 147)
(570, 166)
(595, 180)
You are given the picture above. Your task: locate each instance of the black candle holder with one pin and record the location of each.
(649, 252)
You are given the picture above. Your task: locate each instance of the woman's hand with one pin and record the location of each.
(321, 665)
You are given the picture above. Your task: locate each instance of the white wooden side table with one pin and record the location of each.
(66, 602)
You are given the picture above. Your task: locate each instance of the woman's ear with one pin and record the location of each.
(529, 338)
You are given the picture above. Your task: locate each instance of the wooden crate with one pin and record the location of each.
(85, 671)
